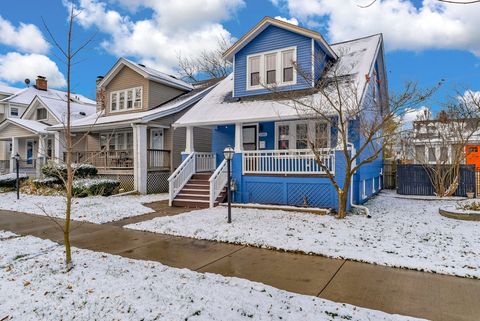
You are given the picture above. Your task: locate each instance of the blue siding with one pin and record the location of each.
(273, 38)
(269, 129)
(320, 61)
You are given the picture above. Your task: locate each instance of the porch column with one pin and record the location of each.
(58, 145)
(41, 153)
(238, 137)
(189, 146)
(140, 170)
(14, 152)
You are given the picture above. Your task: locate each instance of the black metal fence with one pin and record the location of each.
(414, 180)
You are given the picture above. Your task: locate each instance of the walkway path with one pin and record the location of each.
(431, 296)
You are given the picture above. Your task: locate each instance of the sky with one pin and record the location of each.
(426, 41)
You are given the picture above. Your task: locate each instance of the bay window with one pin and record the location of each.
(127, 99)
(271, 68)
(300, 134)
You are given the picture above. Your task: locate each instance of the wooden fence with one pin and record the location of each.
(389, 173)
(414, 180)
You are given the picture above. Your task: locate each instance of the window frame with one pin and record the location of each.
(292, 133)
(18, 111)
(125, 99)
(46, 113)
(278, 69)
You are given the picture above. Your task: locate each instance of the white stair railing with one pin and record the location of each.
(205, 162)
(218, 181)
(181, 176)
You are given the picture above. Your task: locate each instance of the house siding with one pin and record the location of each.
(13, 130)
(159, 94)
(127, 78)
(274, 38)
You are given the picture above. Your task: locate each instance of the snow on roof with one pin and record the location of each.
(174, 106)
(4, 89)
(147, 72)
(356, 58)
(32, 125)
(26, 95)
(59, 108)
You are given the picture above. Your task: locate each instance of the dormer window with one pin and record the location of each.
(126, 99)
(272, 68)
(14, 112)
(42, 114)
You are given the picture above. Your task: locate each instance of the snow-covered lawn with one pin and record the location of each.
(401, 233)
(96, 209)
(34, 286)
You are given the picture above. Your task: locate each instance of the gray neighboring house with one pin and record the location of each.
(130, 136)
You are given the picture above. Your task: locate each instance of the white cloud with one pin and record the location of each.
(293, 21)
(412, 114)
(16, 67)
(432, 25)
(25, 37)
(175, 27)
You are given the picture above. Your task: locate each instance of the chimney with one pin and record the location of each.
(41, 83)
(100, 95)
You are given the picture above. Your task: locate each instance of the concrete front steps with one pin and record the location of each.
(196, 193)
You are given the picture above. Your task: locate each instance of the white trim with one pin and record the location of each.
(10, 111)
(233, 88)
(313, 63)
(263, 24)
(125, 92)
(278, 72)
(293, 132)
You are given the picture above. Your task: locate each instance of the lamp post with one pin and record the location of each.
(228, 154)
(17, 170)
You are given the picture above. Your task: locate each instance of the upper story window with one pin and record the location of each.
(42, 114)
(14, 112)
(126, 99)
(271, 68)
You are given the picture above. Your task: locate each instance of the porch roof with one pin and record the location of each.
(31, 126)
(167, 109)
(356, 59)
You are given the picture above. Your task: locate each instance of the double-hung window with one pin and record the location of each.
(254, 76)
(42, 114)
(287, 66)
(271, 68)
(127, 99)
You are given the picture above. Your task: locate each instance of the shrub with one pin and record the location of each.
(52, 169)
(94, 187)
(9, 180)
(46, 182)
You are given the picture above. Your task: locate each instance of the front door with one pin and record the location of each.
(29, 151)
(250, 137)
(157, 158)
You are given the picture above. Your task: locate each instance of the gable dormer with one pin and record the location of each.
(130, 87)
(277, 54)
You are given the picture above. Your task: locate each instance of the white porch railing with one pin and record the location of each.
(205, 162)
(218, 181)
(181, 176)
(287, 162)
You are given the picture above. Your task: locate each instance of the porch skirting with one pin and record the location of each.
(157, 181)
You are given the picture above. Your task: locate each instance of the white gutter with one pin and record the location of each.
(364, 208)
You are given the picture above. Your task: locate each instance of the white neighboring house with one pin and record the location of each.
(27, 115)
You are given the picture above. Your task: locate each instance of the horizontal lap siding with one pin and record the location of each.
(273, 38)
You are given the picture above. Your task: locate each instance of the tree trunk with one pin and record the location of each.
(342, 203)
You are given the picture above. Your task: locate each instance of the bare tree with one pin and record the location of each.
(209, 63)
(68, 56)
(361, 120)
(440, 145)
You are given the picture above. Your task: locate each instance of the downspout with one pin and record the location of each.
(361, 207)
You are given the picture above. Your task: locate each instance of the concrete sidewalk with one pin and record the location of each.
(426, 295)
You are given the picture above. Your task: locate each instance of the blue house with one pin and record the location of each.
(273, 163)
